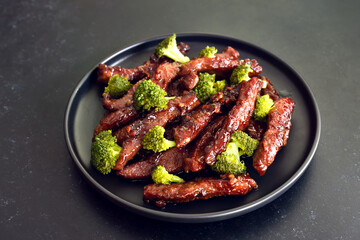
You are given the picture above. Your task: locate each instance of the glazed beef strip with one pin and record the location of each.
(276, 135)
(194, 122)
(237, 119)
(257, 128)
(140, 72)
(200, 188)
(123, 109)
(223, 62)
(172, 160)
(116, 119)
(195, 162)
(130, 137)
(162, 76)
(270, 90)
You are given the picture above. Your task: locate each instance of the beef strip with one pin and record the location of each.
(237, 119)
(223, 62)
(196, 161)
(194, 122)
(162, 76)
(200, 188)
(123, 109)
(256, 128)
(116, 119)
(257, 69)
(172, 160)
(130, 137)
(270, 90)
(139, 72)
(276, 135)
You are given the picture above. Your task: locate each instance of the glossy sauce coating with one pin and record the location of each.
(130, 137)
(222, 62)
(172, 160)
(194, 122)
(237, 119)
(196, 162)
(134, 74)
(276, 135)
(201, 188)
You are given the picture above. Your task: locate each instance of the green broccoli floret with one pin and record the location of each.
(168, 47)
(229, 161)
(161, 176)
(117, 86)
(105, 152)
(263, 106)
(149, 95)
(208, 52)
(244, 142)
(154, 140)
(240, 73)
(207, 86)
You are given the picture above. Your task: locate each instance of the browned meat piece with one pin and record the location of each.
(162, 76)
(134, 74)
(172, 160)
(276, 135)
(223, 62)
(196, 161)
(123, 102)
(123, 109)
(117, 119)
(130, 137)
(195, 121)
(257, 69)
(165, 73)
(200, 188)
(256, 129)
(237, 119)
(270, 90)
(140, 72)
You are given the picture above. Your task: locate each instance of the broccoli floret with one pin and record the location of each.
(240, 73)
(207, 86)
(229, 161)
(117, 86)
(263, 106)
(149, 95)
(154, 140)
(105, 152)
(208, 52)
(244, 142)
(168, 47)
(161, 176)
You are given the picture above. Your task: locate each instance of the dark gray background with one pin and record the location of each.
(47, 46)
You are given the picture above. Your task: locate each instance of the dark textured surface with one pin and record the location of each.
(46, 48)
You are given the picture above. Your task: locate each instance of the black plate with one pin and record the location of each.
(85, 110)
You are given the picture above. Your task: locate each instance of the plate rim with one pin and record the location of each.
(196, 217)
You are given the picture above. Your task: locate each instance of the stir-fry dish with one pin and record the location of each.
(209, 117)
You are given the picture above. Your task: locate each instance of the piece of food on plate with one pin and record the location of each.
(155, 141)
(221, 65)
(194, 122)
(130, 137)
(208, 52)
(276, 135)
(200, 188)
(237, 119)
(172, 160)
(160, 176)
(104, 152)
(168, 47)
(145, 70)
(195, 162)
